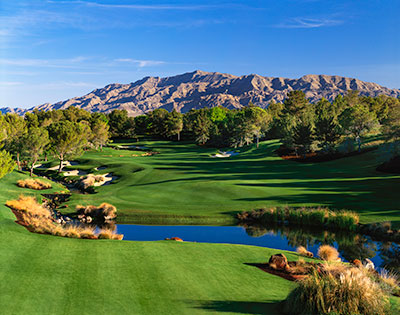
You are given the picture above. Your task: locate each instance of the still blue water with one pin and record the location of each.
(350, 246)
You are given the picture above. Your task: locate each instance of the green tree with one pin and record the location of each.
(303, 137)
(6, 162)
(157, 125)
(202, 125)
(16, 128)
(67, 139)
(357, 121)
(34, 144)
(120, 124)
(327, 132)
(99, 133)
(173, 124)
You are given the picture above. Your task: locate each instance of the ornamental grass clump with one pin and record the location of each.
(328, 253)
(38, 219)
(104, 212)
(110, 235)
(31, 183)
(301, 250)
(90, 180)
(345, 220)
(350, 291)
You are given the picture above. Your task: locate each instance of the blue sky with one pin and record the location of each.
(54, 50)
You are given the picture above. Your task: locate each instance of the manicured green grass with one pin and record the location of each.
(44, 274)
(183, 180)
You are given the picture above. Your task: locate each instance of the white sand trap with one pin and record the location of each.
(226, 154)
(38, 166)
(100, 168)
(132, 147)
(64, 164)
(107, 179)
(74, 173)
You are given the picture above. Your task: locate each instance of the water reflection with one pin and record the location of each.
(350, 245)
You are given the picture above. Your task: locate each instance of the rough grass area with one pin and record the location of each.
(183, 180)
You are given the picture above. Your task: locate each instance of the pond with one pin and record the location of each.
(350, 246)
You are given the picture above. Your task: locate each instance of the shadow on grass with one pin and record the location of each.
(240, 307)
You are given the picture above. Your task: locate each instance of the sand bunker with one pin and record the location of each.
(132, 147)
(64, 164)
(74, 173)
(226, 154)
(100, 168)
(107, 179)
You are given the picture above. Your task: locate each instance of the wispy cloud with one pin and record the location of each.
(9, 83)
(139, 6)
(51, 63)
(302, 22)
(141, 63)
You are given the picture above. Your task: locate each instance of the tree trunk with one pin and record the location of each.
(179, 136)
(61, 165)
(18, 162)
(32, 167)
(258, 140)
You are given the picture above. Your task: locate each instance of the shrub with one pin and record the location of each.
(29, 205)
(36, 184)
(90, 180)
(105, 211)
(328, 253)
(110, 235)
(38, 219)
(350, 291)
(301, 250)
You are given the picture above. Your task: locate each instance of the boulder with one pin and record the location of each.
(278, 262)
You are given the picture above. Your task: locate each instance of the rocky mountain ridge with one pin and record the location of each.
(208, 89)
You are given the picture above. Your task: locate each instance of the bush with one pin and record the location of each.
(328, 253)
(104, 212)
(36, 184)
(90, 180)
(349, 291)
(28, 204)
(110, 235)
(301, 250)
(38, 219)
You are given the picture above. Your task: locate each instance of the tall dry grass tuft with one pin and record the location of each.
(301, 250)
(109, 235)
(105, 210)
(328, 253)
(31, 183)
(28, 204)
(350, 291)
(38, 219)
(90, 180)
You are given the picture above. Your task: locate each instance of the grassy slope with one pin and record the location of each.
(185, 180)
(52, 275)
(43, 274)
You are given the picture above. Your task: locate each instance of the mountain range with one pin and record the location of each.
(208, 89)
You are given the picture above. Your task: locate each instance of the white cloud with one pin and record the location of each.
(141, 63)
(9, 83)
(301, 22)
(138, 6)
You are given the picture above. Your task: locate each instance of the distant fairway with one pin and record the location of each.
(183, 180)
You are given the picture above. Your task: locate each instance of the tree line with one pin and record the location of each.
(302, 127)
